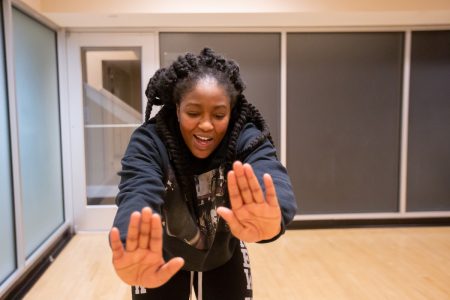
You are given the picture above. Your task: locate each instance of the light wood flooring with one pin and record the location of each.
(375, 263)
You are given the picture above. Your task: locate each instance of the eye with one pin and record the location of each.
(220, 116)
(192, 113)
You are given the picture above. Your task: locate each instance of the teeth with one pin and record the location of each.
(203, 138)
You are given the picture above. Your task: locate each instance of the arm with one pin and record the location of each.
(141, 183)
(140, 261)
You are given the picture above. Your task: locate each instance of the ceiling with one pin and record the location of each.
(239, 13)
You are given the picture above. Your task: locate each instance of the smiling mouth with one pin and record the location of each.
(203, 142)
(203, 139)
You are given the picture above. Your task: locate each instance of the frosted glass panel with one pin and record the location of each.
(112, 107)
(7, 256)
(105, 148)
(39, 129)
(112, 86)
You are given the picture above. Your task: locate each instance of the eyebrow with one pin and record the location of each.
(198, 105)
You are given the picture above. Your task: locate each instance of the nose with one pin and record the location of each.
(206, 125)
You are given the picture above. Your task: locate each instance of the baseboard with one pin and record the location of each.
(361, 223)
(19, 289)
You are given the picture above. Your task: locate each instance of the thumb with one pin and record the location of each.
(169, 269)
(228, 215)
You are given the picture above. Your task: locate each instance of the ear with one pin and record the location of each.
(178, 112)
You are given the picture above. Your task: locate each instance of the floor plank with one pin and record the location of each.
(375, 263)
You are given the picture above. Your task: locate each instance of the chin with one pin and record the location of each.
(202, 155)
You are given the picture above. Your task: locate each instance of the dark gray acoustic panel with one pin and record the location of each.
(428, 180)
(258, 55)
(344, 116)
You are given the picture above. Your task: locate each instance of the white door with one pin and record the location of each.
(107, 74)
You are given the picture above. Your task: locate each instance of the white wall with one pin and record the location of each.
(238, 13)
(238, 6)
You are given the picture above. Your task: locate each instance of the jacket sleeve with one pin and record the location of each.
(142, 178)
(263, 159)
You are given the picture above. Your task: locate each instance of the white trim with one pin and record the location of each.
(155, 109)
(112, 125)
(362, 216)
(14, 133)
(271, 29)
(65, 125)
(88, 218)
(405, 123)
(283, 104)
(76, 126)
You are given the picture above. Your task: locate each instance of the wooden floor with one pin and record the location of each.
(378, 263)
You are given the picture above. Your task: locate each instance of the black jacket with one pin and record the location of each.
(193, 230)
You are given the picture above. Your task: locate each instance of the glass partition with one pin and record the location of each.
(7, 248)
(112, 106)
(36, 81)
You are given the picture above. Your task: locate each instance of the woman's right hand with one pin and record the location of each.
(141, 262)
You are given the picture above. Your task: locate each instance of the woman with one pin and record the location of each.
(195, 186)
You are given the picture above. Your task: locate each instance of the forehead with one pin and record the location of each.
(207, 91)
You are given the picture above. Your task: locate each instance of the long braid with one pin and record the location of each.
(168, 85)
(248, 114)
(239, 123)
(166, 127)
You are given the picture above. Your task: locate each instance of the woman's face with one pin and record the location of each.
(204, 114)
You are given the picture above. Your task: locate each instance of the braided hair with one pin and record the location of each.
(167, 87)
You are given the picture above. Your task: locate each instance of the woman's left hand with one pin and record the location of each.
(252, 216)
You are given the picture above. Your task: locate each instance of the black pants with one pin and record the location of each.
(233, 280)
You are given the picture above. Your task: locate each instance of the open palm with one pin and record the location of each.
(141, 263)
(252, 216)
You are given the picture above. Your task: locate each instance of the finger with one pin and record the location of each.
(233, 191)
(255, 188)
(156, 235)
(144, 236)
(234, 224)
(133, 231)
(242, 183)
(271, 195)
(166, 271)
(116, 244)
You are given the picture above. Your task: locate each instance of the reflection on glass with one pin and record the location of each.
(112, 105)
(104, 150)
(7, 257)
(36, 83)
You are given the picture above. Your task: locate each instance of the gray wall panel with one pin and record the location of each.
(428, 186)
(343, 110)
(258, 55)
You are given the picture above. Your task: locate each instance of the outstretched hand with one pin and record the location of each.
(142, 263)
(252, 216)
